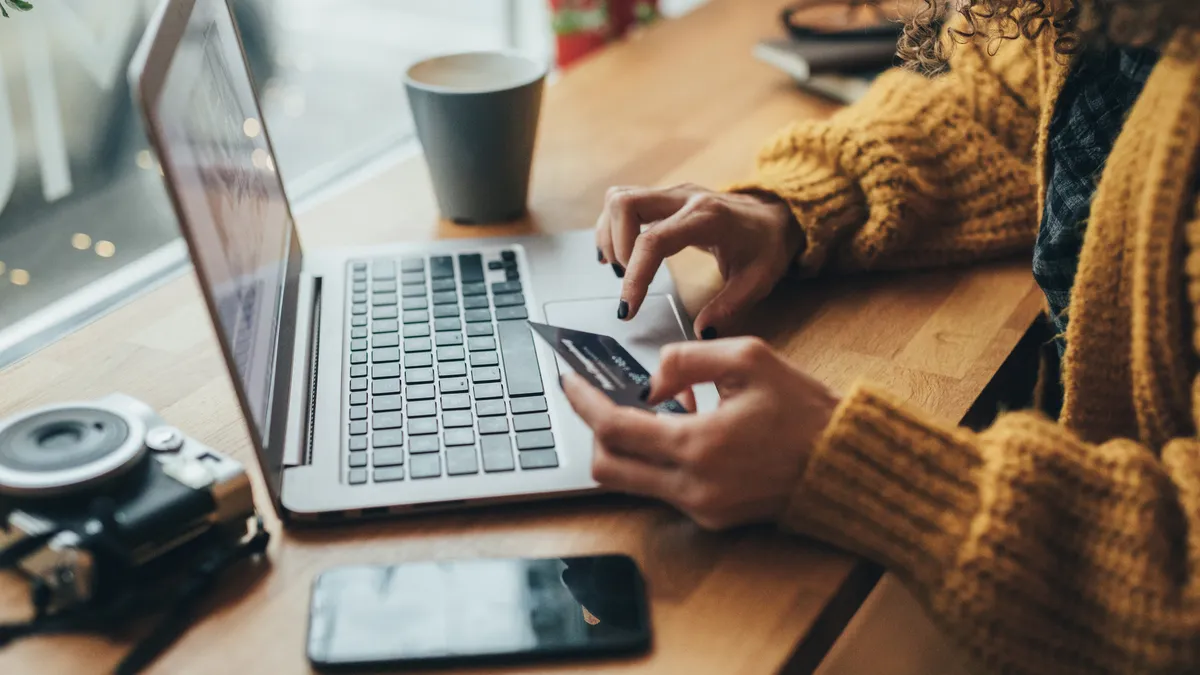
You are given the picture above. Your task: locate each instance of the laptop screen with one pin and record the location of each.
(214, 146)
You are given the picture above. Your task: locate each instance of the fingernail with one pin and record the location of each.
(618, 270)
(599, 255)
(622, 310)
(645, 395)
(708, 333)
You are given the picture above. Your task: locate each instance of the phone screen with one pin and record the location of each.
(474, 609)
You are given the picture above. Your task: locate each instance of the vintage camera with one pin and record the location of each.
(102, 497)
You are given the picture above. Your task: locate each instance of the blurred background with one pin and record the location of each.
(84, 219)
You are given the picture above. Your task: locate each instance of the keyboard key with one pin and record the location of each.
(360, 332)
(443, 285)
(360, 277)
(456, 402)
(384, 313)
(412, 265)
(388, 457)
(485, 391)
(383, 299)
(475, 302)
(508, 256)
(415, 330)
(450, 354)
(387, 403)
(385, 370)
(421, 392)
(419, 375)
(495, 265)
(358, 266)
(470, 268)
(358, 345)
(359, 287)
(421, 444)
(533, 440)
(452, 419)
(358, 357)
(454, 437)
(531, 422)
(484, 359)
(379, 387)
(477, 315)
(506, 287)
(385, 326)
(425, 466)
(358, 443)
(358, 459)
(409, 304)
(493, 425)
(483, 375)
(358, 397)
(358, 371)
(445, 312)
(358, 476)
(417, 345)
(422, 426)
(441, 267)
(422, 408)
(479, 329)
(385, 340)
(497, 453)
(449, 339)
(358, 309)
(509, 300)
(445, 298)
(511, 313)
(390, 438)
(358, 428)
(358, 384)
(489, 408)
(528, 405)
(389, 474)
(416, 316)
(358, 412)
(447, 324)
(383, 269)
(418, 360)
(539, 459)
(388, 286)
(358, 321)
(461, 461)
(452, 369)
(413, 291)
(521, 371)
(512, 274)
(387, 420)
(389, 355)
(453, 385)
(481, 344)
(412, 278)
(474, 289)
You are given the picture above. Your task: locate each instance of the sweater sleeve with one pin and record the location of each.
(921, 172)
(1038, 552)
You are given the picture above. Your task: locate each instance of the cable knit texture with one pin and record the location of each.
(1042, 547)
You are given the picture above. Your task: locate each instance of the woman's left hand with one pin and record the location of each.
(737, 464)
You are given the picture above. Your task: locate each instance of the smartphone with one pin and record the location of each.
(462, 611)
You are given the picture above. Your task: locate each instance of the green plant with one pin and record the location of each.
(15, 5)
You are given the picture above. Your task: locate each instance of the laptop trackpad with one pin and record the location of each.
(657, 323)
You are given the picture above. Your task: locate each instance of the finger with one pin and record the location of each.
(603, 226)
(742, 289)
(687, 227)
(621, 429)
(687, 398)
(631, 208)
(725, 363)
(630, 475)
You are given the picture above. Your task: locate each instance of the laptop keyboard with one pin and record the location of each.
(443, 375)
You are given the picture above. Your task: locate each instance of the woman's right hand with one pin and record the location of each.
(754, 239)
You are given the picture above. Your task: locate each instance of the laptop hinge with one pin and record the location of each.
(302, 413)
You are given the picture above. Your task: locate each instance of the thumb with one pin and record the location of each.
(684, 364)
(740, 291)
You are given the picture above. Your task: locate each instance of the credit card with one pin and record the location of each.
(607, 365)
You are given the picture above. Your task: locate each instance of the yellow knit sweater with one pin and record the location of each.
(1042, 547)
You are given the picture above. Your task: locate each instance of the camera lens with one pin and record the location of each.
(64, 448)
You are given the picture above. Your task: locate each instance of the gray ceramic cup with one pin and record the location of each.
(476, 116)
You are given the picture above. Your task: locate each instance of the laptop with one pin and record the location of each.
(382, 380)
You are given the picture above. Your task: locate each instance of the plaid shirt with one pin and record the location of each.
(1093, 105)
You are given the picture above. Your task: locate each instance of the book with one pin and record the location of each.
(839, 69)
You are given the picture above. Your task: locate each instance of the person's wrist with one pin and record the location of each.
(785, 219)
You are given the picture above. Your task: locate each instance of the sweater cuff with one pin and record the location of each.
(887, 484)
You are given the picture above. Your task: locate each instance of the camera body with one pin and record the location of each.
(106, 494)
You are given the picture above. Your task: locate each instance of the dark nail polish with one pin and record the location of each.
(599, 255)
(618, 270)
(708, 333)
(622, 310)
(645, 395)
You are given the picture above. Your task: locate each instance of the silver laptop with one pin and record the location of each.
(382, 380)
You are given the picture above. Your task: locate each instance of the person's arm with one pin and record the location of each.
(921, 172)
(1037, 551)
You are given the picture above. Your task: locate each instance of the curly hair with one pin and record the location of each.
(1076, 24)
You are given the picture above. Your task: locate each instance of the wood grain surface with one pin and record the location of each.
(682, 102)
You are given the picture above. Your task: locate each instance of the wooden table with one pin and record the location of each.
(682, 102)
